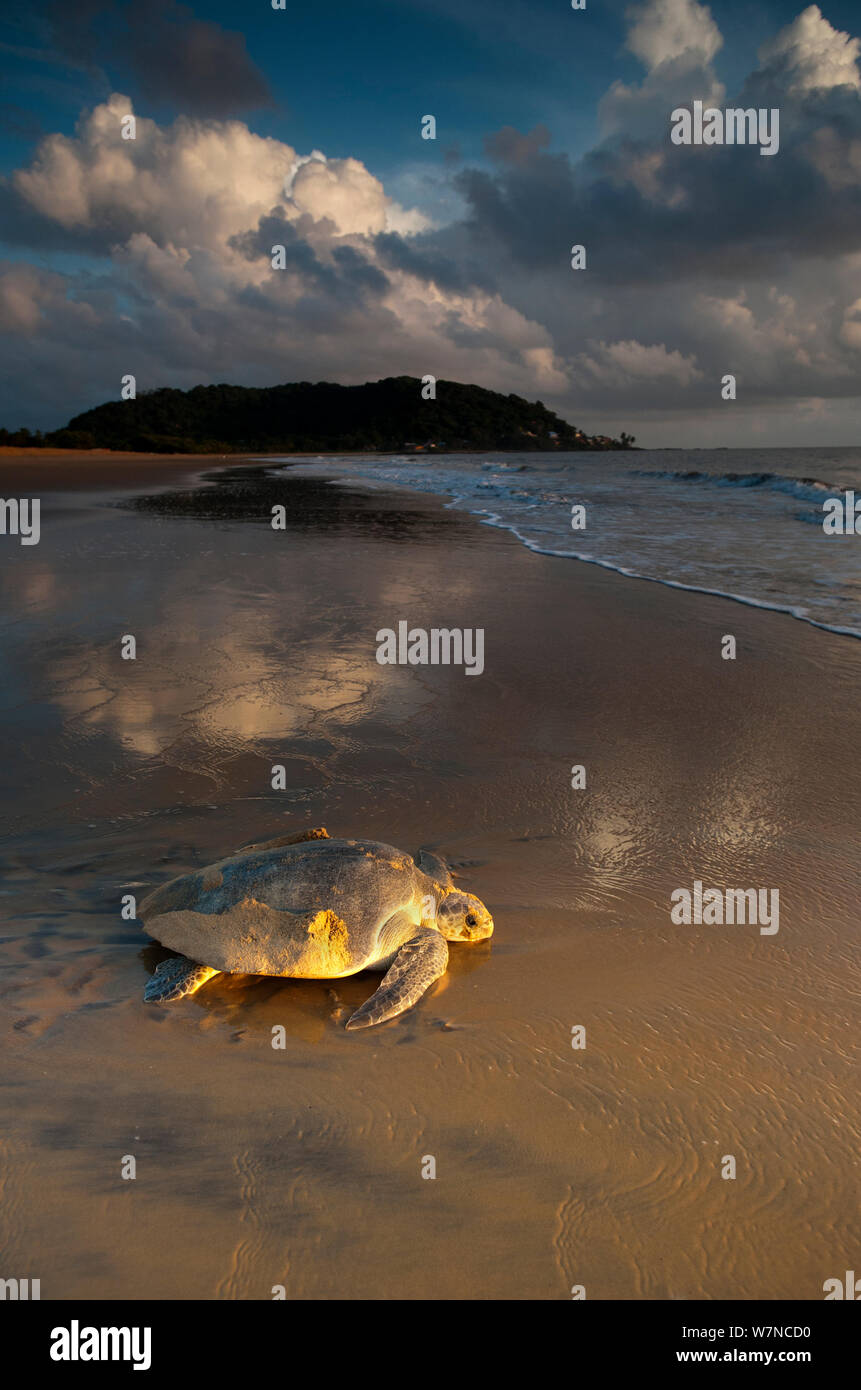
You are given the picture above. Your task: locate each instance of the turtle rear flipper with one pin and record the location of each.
(175, 978)
(319, 832)
(434, 867)
(420, 961)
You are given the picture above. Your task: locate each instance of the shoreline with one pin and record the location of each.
(185, 471)
(490, 518)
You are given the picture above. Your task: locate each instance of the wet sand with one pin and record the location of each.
(259, 1167)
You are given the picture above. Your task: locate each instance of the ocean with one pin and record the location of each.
(741, 523)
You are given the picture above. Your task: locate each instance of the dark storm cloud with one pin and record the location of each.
(24, 225)
(429, 257)
(359, 271)
(697, 209)
(347, 277)
(509, 146)
(174, 57)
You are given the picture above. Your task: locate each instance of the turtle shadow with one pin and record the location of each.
(253, 1003)
(305, 1009)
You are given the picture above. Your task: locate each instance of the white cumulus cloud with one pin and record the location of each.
(186, 216)
(666, 30)
(676, 41)
(813, 54)
(628, 360)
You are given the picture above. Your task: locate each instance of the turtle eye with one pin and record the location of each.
(471, 921)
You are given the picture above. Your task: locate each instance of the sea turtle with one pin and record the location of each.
(309, 907)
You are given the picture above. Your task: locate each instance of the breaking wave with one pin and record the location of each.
(808, 489)
(732, 534)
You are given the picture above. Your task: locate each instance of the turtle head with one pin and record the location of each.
(463, 917)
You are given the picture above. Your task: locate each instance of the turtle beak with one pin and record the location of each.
(482, 930)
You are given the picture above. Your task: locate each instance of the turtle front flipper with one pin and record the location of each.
(175, 978)
(420, 961)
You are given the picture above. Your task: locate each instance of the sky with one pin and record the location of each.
(302, 127)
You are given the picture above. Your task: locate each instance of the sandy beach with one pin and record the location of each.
(255, 1167)
(58, 470)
